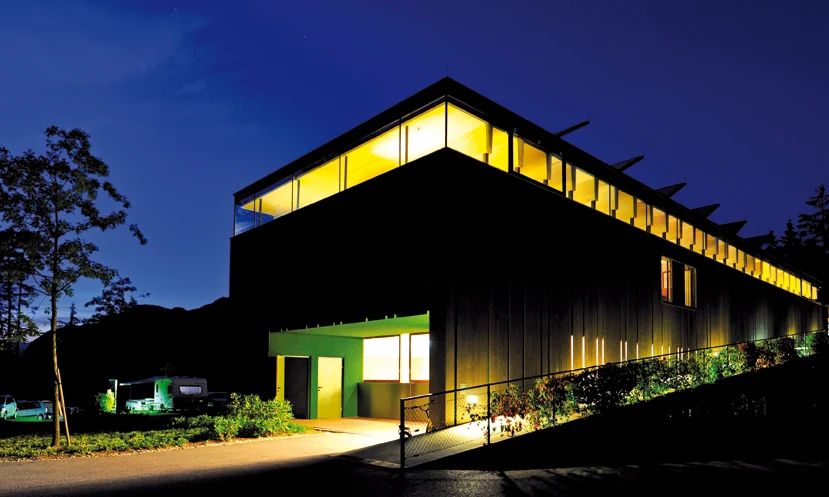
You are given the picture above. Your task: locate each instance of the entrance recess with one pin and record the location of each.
(296, 379)
(330, 387)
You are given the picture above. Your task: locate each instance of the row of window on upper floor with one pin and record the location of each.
(586, 189)
(446, 125)
(442, 125)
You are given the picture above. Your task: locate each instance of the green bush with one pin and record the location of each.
(105, 401)
(597, 390)
(819, 342)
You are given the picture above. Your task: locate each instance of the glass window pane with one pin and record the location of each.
(381, 359)
(556, 174)
(690, 286)
(814, 293)
(710, 246)
(624, 206)
(732, 256)
(722, 250)
(699, 241)
(741, 260)
(272, 203)
(766, 271)
(317, 183)
(667, 281)
(603, 199)
(420, 357)
(673, 229)
(423, 134)
(585, 191)
(243, 218)
(659, 224)
(530, 161)
(640, 217)
(477, 138)
(375, 157)
(686, 237)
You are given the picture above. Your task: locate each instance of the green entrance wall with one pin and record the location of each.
(316, 346)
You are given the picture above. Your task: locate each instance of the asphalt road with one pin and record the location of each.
(302, 465)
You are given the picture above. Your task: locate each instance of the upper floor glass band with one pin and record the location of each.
(447, 124)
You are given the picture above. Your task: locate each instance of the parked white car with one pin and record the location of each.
(8, 407)
(31, 409)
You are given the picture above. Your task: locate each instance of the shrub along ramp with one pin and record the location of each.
(774, 412)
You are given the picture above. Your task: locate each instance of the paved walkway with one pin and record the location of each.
(380, 428)
(78, 476)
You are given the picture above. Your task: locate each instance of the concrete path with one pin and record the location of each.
(79, 476)
(385, 429)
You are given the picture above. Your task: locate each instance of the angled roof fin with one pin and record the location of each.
(734, 227)
(705, 210)
(670, 191)
(758, 241)
(625, 164)
(571, 129)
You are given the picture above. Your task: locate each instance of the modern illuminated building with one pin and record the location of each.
(448, 242)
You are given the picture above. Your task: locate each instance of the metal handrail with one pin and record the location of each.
(579, 370)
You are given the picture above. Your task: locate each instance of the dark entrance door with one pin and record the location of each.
(297, 372)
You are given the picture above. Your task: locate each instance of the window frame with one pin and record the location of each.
(399, 336)
(672, 282)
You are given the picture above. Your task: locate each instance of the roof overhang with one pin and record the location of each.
(371, 329)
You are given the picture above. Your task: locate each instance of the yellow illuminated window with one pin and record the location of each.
(570, 180)
(603, 199)
(741, 260)
(673, 229)
(585, 191)
(420, 357)
(530, 161)
(423, 134)
(381, 359)
(640, 215)
(814, 293)
(686, 237)
(667, 281)
(711, 246)
(758, 267)
(317, 183)
(766, 271)
(659, 224)
(807, 289)
(750, 264)
(373, 158)
(272, 203)
(699, 242)
(477, 138)
(624, 206)
(690, 286)
(554, 166)
(732, 256)
(773, 275)
(722, 251)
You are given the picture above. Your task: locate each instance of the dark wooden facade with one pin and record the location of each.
(507, 268)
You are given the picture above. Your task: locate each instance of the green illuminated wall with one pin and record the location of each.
(316, 346)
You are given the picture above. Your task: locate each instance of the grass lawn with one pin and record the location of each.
(38, 446)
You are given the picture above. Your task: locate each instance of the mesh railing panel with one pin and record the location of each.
(487, 413)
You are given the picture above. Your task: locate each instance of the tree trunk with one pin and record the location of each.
(56, 435)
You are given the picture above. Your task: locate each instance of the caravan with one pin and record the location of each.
(162, 394)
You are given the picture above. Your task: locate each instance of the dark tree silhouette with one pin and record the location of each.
(53, 198)
(115, 298)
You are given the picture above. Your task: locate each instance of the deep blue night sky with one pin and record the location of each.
(190, 101)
